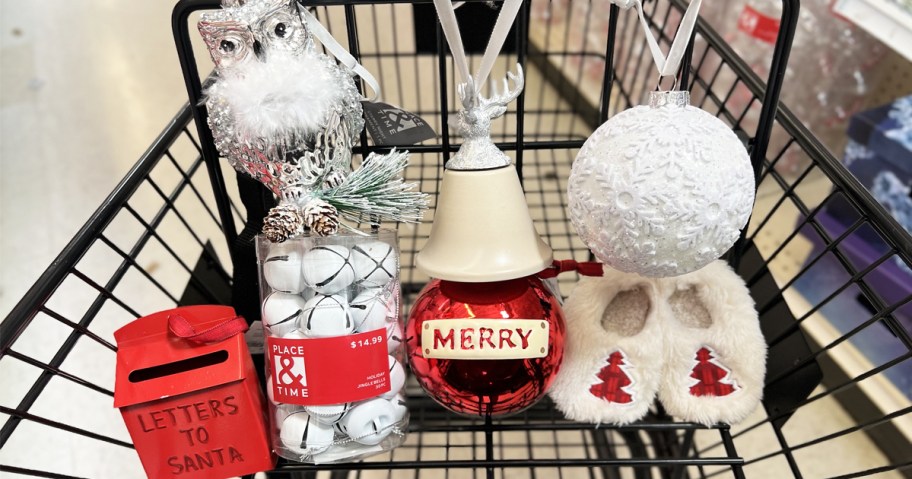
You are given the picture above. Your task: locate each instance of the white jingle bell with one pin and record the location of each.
(329, 414)
(661, 190)
(399, 407)
(396, 378)
(296, 334)
(327, 269)
(326, 316)
(371, 309)
(375, 262)
(282, 268)
(303, 434)
(346, 452)
(284, 410)
(281, 312)
(369, 422)
(393, 336)
(269, 393)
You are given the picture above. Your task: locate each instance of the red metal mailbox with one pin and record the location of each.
(188, 392)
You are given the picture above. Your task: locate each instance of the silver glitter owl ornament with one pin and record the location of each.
(287, 115)
(275, 97)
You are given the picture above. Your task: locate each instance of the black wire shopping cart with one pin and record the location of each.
(168, 235)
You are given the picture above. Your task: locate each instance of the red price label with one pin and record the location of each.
(758, 25)
(318, 371)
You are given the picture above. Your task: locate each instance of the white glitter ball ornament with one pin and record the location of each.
(661, 190)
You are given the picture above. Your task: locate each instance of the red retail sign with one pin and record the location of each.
(758, 25)
(311, 372)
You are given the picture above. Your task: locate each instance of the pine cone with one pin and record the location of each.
(283, 222)
(321, 217)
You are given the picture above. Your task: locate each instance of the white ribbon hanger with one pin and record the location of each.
(447, 13)
(667, 66)
(478, 151)
(337, 50)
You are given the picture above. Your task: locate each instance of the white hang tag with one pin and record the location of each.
(668, 66)
(446, 12)
(390, 125)
(337, 50)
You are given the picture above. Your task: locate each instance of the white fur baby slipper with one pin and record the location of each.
(715, 354)
(613, 350)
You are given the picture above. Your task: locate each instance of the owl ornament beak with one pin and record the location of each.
(258, 51)
(482, 229)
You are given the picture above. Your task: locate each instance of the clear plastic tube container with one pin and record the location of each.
(334, 351)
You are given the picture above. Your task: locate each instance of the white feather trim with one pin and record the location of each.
(284, 97)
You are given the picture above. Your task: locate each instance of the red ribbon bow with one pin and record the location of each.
(182, 328)
(585, 268)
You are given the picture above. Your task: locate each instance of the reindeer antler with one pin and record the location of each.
(502, 99)
(468, 94)
(496, 103)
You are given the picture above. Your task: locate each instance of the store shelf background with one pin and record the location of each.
(888, 20)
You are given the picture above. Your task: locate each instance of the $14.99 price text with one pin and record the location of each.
(367, 342)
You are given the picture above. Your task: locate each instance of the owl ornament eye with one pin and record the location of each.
(282, 30)
(229, 42)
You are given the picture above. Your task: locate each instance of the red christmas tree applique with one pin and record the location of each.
(615, 381)
(710, 377)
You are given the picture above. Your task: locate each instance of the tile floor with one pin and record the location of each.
(84, 88)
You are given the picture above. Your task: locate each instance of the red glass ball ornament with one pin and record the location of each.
(486, 387)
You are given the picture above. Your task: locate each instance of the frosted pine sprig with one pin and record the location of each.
(376, 190)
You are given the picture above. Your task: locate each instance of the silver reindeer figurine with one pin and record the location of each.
(478, 151)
